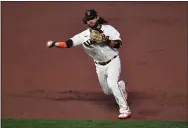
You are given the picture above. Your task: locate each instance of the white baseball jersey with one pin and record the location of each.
(108, 74)
(102, 52)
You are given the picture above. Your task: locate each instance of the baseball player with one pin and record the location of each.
(101, 42)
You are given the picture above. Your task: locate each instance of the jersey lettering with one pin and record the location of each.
(87, 44)
(98, 52)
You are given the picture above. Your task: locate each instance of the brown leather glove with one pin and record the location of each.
(97, 37)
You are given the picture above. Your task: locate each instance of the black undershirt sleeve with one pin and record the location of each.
(118, 43)
(69, 43)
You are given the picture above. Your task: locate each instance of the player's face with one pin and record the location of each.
(92, 22)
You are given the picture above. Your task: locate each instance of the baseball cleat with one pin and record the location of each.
(122, 86)
(124, 115)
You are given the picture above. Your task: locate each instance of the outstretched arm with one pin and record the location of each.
(66, 44)
(74, 41)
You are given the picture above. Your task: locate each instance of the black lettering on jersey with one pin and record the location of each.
(87, 44)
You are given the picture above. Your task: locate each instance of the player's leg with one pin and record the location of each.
(113, 72)
(102, 77)
(122, 86)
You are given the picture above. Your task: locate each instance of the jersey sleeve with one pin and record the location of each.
(77, 39)
(114, 34)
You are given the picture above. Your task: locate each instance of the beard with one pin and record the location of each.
(94, 26)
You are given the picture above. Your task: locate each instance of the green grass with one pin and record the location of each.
(13, 123)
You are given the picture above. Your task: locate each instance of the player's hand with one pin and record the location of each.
(50, 44)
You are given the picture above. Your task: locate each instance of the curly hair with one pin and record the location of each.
(101, 20)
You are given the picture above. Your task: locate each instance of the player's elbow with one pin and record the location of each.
(69, 43)
(116, 44)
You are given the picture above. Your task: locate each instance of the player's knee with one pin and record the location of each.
(112, 85)
(107, 92)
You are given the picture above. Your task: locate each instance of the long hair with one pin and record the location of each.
(101, 20)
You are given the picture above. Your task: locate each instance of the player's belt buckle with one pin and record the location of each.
(105, 63)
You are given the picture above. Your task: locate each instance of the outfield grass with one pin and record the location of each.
(12, 123)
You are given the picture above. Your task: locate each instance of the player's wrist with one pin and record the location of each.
(54, 43)
(50, 44)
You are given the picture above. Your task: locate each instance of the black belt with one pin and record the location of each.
(105, 63)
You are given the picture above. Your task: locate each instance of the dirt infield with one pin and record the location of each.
(38, 82)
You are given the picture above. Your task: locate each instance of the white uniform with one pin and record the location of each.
(108, 74)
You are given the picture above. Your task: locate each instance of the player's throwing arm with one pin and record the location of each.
(101, 42)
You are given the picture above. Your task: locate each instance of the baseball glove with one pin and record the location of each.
(97, 36)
